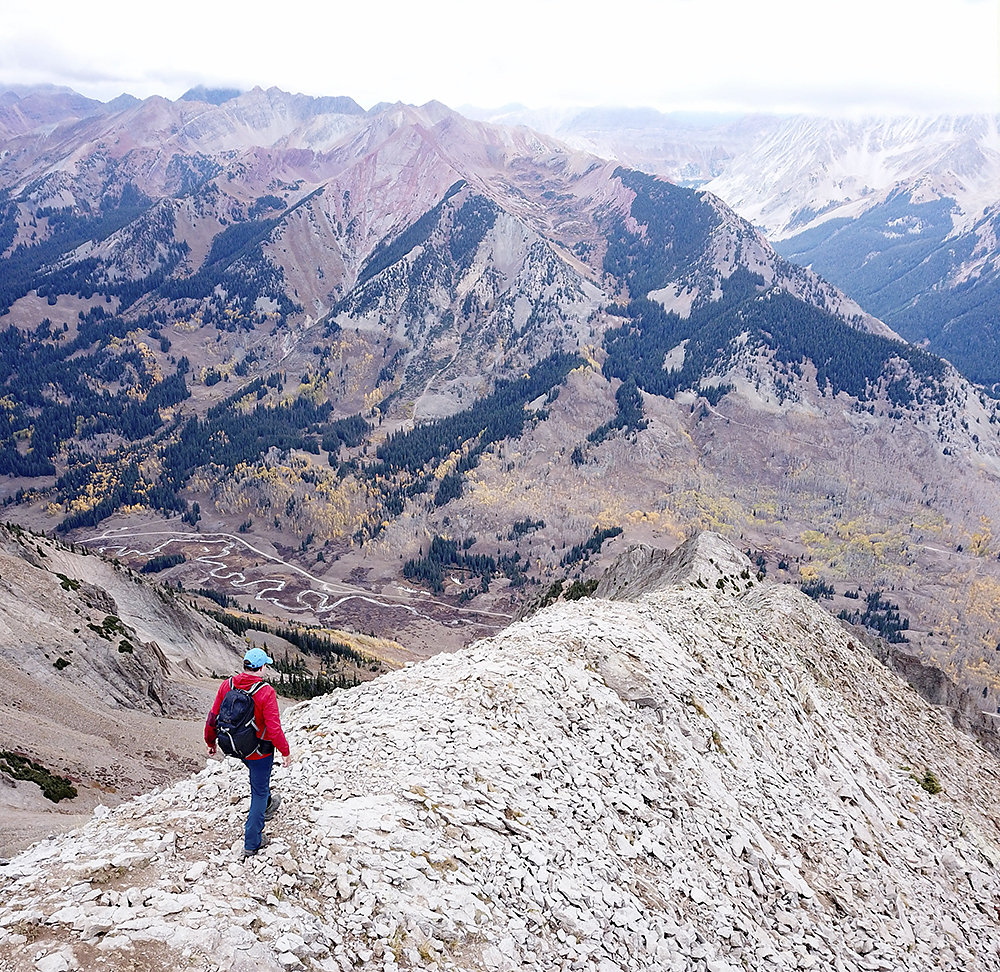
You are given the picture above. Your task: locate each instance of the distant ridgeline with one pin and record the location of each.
(38, 266)
(792, 331)
(906, 278)
(677, 223)
(235, 262)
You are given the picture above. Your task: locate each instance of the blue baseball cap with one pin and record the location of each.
(257, 658)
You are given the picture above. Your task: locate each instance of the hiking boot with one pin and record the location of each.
(273, 802)
(264, 841)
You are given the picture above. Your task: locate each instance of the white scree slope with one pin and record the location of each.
(711, 776)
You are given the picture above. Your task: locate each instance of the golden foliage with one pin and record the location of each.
(150, 362)
(813, 538)
(860, 538)
(982, 600)
(979, 543)
(707, 512)
(102, 482)
(308, 497)
(313, 389)
(927, 521)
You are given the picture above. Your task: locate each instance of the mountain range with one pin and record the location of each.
(899, 212)
(410, 373)
(692, 769)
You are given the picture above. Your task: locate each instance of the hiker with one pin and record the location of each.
(264, 735)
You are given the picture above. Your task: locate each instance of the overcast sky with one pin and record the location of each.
(767, 55)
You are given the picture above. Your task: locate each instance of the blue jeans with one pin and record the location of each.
(260, 791)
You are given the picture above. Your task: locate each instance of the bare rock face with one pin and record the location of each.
(938, 689)
(705, 560)
(97, 598)
(701, 776)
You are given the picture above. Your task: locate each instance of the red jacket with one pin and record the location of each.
(265, 711)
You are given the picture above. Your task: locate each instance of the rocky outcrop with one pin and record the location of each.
(700, 778)
(938, 689)
(704, 560)
(707, 559)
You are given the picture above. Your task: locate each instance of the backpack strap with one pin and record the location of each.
(249, 691)
(263, 742)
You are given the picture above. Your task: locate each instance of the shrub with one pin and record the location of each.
(579, 589)
(54, 788)
(68, 583)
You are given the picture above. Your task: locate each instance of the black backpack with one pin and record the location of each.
(235, 726)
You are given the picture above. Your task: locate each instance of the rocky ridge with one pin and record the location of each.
(710, 775)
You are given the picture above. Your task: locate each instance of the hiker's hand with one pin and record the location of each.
(286, 760)
(211, 750)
